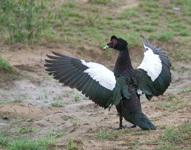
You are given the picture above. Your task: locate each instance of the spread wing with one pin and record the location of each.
(93, 79)
(153, 73)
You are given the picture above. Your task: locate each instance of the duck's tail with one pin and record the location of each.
(141, 120)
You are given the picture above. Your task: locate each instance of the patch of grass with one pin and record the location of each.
(5, 65)
(152, 4)
(163, 36)
(24, 130)
(58, 97)
(74, 144)
(18, 143)
(184, 33)
(144, 28)
(71, 145)
(151, 7)
(170, 12)
(69, 4)
(165, 147)
(23, 20)
(173, 106)
(174, 20)
(4, 141)
(155, 23)
(132, 38)
(78, 96)
(140, 132)
(128, 13)
(170, 5)
(177, 26)
(99, 1)
(171, 135)
(184, 91)
(174, 102)
(91, 19)
(122, 24)
(55, 133)
(65, 117)
(182, 55)
(174, 136)
(170, 97)
(107, 135)
(187, 10)
(58, 104)
(188, 20)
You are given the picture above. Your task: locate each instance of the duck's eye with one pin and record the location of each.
(114, 42)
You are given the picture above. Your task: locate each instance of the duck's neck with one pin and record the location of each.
(123, 64)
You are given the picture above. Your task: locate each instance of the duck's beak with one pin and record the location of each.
(109, 45)
(106, 47)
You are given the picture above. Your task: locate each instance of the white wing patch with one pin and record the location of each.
(98, 72)
(151, 64)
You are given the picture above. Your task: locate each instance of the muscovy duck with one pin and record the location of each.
(121, 87)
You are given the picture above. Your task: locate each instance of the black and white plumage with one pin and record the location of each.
(93, 79)
(156, 65)
(122, 86)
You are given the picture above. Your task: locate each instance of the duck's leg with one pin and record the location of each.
(121, 124)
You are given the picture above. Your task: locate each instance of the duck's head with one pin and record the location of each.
(116, 43)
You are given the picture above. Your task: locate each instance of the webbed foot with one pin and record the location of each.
(122, 127)
(129, 126)
(115, 128)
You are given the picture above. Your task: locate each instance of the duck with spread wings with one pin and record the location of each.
(121, 87)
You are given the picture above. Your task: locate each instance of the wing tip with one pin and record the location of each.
(55, 53)
(142, 37)
(143, 40)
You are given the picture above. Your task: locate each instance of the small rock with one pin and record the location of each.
(176, 8)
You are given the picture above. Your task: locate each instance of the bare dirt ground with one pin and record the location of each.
(53, 109)
(44, 104)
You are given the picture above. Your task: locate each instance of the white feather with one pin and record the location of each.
(151, 64)
(98, 72)
(139, 92)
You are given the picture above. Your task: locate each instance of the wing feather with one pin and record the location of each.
(153, 80)
(93, 79)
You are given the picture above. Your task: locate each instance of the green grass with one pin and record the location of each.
(128, 13)
(77, 24)
(74, 144)
(99, 1)
(4, 141)
(144, 28)
(58, 104)
(155, 23)
(184, 33)
(73, 26)
(173, 136)
(182, 55)
(4, 65)
(23, 20)
(21, 137)
(107, 135)
(173, 103)
(162, 36)
(25, 143)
